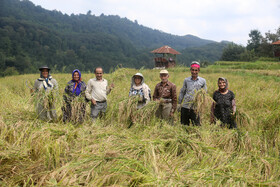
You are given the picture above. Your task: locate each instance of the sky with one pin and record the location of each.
(217, 20)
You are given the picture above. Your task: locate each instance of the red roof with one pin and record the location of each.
(276, 43)
(166, 49)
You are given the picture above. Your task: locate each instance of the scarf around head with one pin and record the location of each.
(46, 81)
(77, 84)
(143, 86)
(195, 65)
(222, 90)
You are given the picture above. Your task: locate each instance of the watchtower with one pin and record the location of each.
(165, 57)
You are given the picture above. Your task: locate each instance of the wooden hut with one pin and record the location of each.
(276, 48)
(165, 57)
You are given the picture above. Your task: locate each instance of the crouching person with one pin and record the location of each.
(45, 88)
(74, 108)
(97, 91)
(165, 93)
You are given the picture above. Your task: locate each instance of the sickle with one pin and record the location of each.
(26, 83)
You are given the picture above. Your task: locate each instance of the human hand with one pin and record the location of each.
(93, 101)
(112, 86)
(171, 114)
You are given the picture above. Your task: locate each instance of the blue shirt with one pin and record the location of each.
(190, 87)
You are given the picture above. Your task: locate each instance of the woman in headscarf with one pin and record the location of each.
(224, 107)
(44, 88)
(74, 108)
(139, 88)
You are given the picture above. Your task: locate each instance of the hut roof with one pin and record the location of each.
(166, 49)
(276, 43)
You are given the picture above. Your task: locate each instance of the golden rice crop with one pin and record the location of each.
(151, 152)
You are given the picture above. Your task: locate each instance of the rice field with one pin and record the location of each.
(129, 147)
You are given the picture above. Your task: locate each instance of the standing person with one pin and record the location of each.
(224, 109)
(44, 88)
(187, 92)
(97, 91)
(139, 88)
(74, 108)
(165, 93)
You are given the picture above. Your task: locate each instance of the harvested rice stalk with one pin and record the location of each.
(129, 114)
(202, 103)
(242, 118)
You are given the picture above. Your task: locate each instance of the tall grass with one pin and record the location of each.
(129, 147)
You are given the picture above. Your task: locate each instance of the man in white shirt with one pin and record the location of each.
(97, 91)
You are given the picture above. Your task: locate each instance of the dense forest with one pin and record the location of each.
(31, 36)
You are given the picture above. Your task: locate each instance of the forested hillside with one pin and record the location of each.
(205, 54)
(31, 36)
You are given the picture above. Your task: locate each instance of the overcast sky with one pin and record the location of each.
(216, 20)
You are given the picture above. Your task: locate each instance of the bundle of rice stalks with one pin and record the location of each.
(120, 74)
(202, 103)
(46, 99)
(129, 114)
(145, 114)
(126, 108)
(75, 111)
(242, 118)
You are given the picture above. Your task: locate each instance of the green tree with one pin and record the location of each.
(248, 56)
(255, 40)
(265, 48)
(232, 52)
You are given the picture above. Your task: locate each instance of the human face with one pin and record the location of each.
(164, 77)
(76, 76)
(45, 73)
(99, 73)
(222, 84)
(194, 72)
(137, 80)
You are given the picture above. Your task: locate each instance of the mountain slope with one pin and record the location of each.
(31, 36)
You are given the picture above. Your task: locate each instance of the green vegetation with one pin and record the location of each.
(258, 48)
(257, 65)
(150, 152)
(31, 36)
(206, 54)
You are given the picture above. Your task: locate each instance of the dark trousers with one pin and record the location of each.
(230, 123)
(188, 115)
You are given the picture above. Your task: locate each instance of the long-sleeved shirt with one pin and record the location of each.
(97, 90)
(188, 90)
(68, 95)
(39, 85)
(168, 91)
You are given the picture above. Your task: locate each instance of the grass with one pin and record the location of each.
(259, 65)
(150, 152)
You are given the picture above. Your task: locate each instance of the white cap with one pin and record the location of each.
(164, 71)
